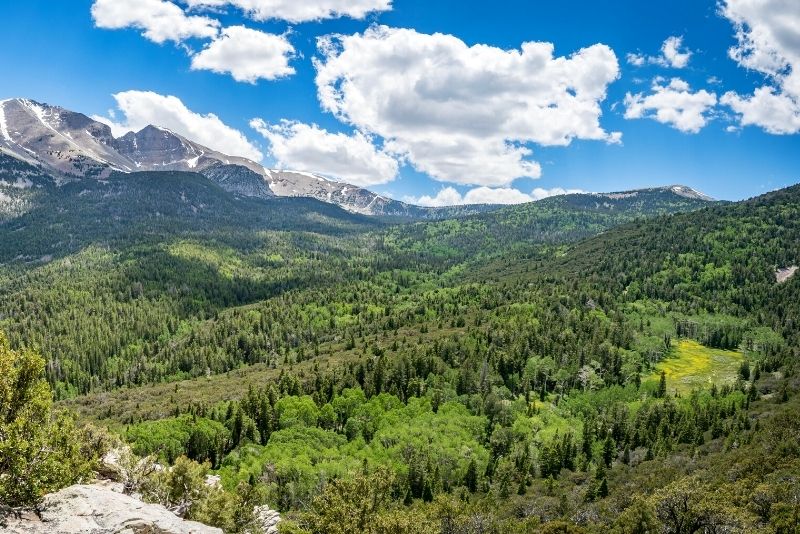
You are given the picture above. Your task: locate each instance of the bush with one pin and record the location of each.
(40, 448)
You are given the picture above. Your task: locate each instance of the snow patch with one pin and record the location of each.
(42, 115)
(3, 125)
(310, 175)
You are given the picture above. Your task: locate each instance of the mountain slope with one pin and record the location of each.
(72, 146)
(125, 209)
(722, 259)
(67, 143)
(524, 228)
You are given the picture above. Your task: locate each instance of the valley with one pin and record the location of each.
(574, 364)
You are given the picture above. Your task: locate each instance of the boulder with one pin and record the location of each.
(102, 509)
(267, 519)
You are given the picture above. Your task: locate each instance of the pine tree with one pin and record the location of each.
(662, 386)
(427, 492)
(609, 451)
(471, 477)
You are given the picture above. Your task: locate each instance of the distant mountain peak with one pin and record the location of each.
(72, 146)
(677, 189)
(688, 192)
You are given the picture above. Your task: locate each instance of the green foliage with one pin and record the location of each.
(638, 518)
(486, 373)
(40, 448)
(183, 488)
(196, 437)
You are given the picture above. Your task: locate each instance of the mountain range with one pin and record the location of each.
(70, 147)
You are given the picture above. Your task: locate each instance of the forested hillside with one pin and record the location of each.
(535, 369)
(157, 266)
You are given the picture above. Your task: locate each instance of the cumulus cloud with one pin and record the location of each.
(247, 55)
(449, 196)
(540, 193)
(673, 54)
(351, 158)
(299, 10)
(142, 108)
(159, 20)
(673, 103)
(464, 114)
(776, 112)
(767, 42)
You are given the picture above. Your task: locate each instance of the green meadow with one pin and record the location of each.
(695, 366)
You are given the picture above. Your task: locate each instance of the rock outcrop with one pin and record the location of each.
(267, 519)
(102, 509)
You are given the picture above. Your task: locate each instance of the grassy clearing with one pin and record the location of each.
(694, 366)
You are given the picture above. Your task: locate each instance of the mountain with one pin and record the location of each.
(726, 252)
(360, 200)
(558, 369)
(124, 210)
(66, 143)
(523, 229)
(72, 146)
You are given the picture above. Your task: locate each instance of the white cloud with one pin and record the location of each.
(464, 114)
(775, 112)
(767, 42)
(248, 55)
(673, 54)
(637, 60)
(540, 193)
(142, 108)
(498, 195)
(674, 104)
(351, 158)
(159, 20)
(299, 10)
(449, 196)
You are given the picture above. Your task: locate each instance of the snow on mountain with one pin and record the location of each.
(680, 190)
(688, 192)
(73, 146)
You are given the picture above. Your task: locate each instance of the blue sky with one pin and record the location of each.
(643, 114)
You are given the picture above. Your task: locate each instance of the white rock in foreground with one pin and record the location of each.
(97, 509)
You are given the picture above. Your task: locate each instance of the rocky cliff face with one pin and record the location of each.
(239, 180)
(68, 144)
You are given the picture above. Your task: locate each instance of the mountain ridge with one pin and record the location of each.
(73, 146)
